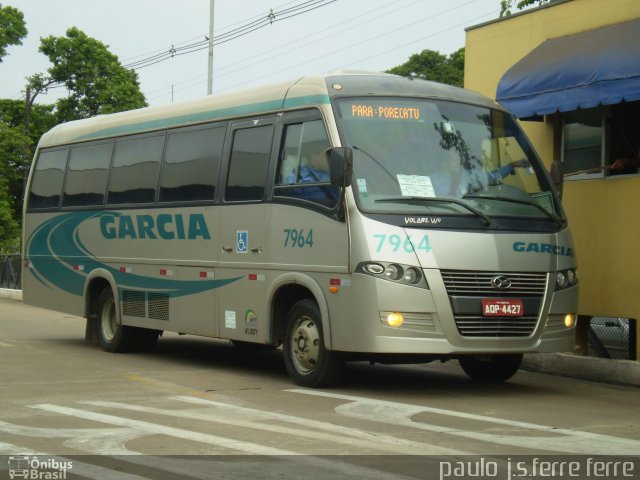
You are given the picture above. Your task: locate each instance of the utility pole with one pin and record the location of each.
(210, 79)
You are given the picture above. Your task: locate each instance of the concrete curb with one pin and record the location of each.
(11, 294)
(622, 372)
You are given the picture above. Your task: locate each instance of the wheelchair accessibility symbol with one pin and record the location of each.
(242, 241)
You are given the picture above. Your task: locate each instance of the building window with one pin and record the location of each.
(601, 142)
(583, 144)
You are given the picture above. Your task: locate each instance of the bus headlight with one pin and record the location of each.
(412, 275)
(566, 278)
(394, 272)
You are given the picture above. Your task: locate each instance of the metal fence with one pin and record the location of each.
(612, 338)
(10, 271)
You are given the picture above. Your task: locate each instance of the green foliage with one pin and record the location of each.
(434, 66)
(14, 164)
(12, 28)
(506, 5)
(94, 77)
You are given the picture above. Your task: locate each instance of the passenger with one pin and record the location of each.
(315, 170)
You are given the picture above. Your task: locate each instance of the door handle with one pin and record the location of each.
(256, 250)
(227, 249)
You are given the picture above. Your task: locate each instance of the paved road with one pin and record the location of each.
(63, 397)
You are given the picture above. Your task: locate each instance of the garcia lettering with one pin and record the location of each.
(546, 248)
(163, 226)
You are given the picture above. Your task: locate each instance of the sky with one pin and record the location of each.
(372, 35)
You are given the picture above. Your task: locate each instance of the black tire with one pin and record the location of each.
(145, 339)
(308, 363)
(491, 368)
(112, 335)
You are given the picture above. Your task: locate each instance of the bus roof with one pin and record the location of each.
(304, 92)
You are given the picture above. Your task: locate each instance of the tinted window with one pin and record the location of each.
(249, 162)
(46, 186)
(87, 175)
(191, 165)
(134, 174)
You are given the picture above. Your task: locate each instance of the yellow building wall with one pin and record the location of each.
(604, 214)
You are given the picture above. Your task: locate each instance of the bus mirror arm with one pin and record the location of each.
(340, 161)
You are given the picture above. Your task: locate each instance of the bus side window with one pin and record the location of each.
(134, 173)
(46, 186)
(249, 163)
(303, 161)
(191, 164)
(87, 175)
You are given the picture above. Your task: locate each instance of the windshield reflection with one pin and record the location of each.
(411, 149)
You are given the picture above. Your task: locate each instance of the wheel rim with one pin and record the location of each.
(109, 320)
(305, 344)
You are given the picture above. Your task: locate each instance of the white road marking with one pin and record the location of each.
(557, 440)
(249, 418)
(153, 428)
(333, 468)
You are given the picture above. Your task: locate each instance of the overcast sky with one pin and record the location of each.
(369, 35)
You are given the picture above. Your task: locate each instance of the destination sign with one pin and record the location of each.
(390, 112)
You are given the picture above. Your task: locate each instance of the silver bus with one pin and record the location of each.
(345, 217)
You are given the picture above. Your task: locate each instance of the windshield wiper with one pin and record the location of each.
(475, 211)
(556, 219)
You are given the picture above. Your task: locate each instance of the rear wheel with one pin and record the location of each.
(112, 335)
(117, 338)
(307, 360)
(491, 368)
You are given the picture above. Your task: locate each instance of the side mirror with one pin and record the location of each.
(340, 161)
(556, 176)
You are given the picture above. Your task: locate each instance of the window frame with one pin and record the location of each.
(156, 133)
(107, 141)
(246, 124)
(29, 192)
(217, 185)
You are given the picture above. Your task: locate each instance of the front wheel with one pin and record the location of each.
(491, 368)
(308, 362)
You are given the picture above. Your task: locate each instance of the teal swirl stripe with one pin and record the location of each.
(55, 246)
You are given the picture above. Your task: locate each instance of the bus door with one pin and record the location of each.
(244, 222)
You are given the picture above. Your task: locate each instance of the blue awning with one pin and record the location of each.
(584, 70)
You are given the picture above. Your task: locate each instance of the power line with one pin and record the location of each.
(262, 22)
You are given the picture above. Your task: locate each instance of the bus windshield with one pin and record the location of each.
(417, 155)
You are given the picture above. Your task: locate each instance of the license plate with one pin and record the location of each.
(502, 307)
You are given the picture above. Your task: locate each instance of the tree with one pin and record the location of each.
(434, 66)
(14, 145)
(17, 148)
(12, 28)
(505, 5)
(96, 81)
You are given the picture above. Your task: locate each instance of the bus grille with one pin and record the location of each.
(478, 326)
(479, 283)
(466, 289)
